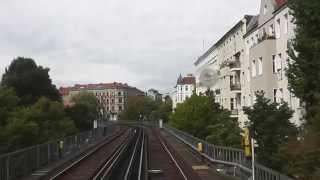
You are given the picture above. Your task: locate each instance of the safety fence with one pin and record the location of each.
(21, 163)
(231, 157)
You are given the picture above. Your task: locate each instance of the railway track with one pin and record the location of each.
(136, 154)
(169, 165)
(108, 161)
(87, 166)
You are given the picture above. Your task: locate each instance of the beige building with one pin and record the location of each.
(111, 96)
(220, 68)
(251, 57)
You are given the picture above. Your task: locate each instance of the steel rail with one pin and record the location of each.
(172, 158)
(132, 157)
(106, 169)
(141, 156)
(87, 155)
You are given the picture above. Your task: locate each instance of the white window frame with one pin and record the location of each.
(278, 28)
(254, 68)
(260, 66)
(286, 23)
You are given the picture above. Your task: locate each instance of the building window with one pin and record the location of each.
(186, 87)
(286, 24)
(120, 108)
(119, 93)
(232, 103)
(120, 100)
(274, 64)
(278, 26)
(279, 66)
(271, 30)
(265, 9)
(243, 79)
(260, 66)
(254, 68)
(275, 95)
(281, 95)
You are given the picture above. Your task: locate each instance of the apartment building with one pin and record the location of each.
(184, 88)
(252, 57)
(219, 69)
(154, 94)
(111, 96)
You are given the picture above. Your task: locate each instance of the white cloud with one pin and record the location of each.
(146, 43)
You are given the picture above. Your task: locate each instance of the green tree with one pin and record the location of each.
(270, 126)
(26, 126)
(139, 106)
(165, 109)
(304, 66)
(303, 75)
(85, 110)
(29, 81)
(203, 118)
(8, 103)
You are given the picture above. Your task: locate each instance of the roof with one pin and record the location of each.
(252, 25)
(101, 86)
(190, 79)
(281, 2)
(208, 52)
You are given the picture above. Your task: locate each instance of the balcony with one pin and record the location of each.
(217, 91)
(235, 66)
(235, 86)
(234, 112)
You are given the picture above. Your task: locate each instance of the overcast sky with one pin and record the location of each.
(145, 43)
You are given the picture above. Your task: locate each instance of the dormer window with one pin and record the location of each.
(265, 9)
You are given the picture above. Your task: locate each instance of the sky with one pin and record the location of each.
(144, 43)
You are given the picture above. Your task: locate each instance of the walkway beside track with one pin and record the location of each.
(207, 171)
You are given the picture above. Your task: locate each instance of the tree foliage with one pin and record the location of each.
(303, 74)
(270, 126)
(25, 126)
(304, 66)
(84, 111)
(203, 118)
(29, 81)
(139, 106)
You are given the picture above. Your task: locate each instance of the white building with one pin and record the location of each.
(183, 90)
(251, 57)
(154, 94)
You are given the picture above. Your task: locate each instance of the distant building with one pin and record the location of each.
(154, 95)
(184, 88)
(112, 96)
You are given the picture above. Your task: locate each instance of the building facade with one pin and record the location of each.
(111, 96)
(252, 57)
(154, 95)
(184, 89)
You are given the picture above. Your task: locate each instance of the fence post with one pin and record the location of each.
(38, 156)
(8, 167)
(49, 157)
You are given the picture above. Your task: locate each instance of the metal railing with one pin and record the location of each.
(228, 156)
(23, 162)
